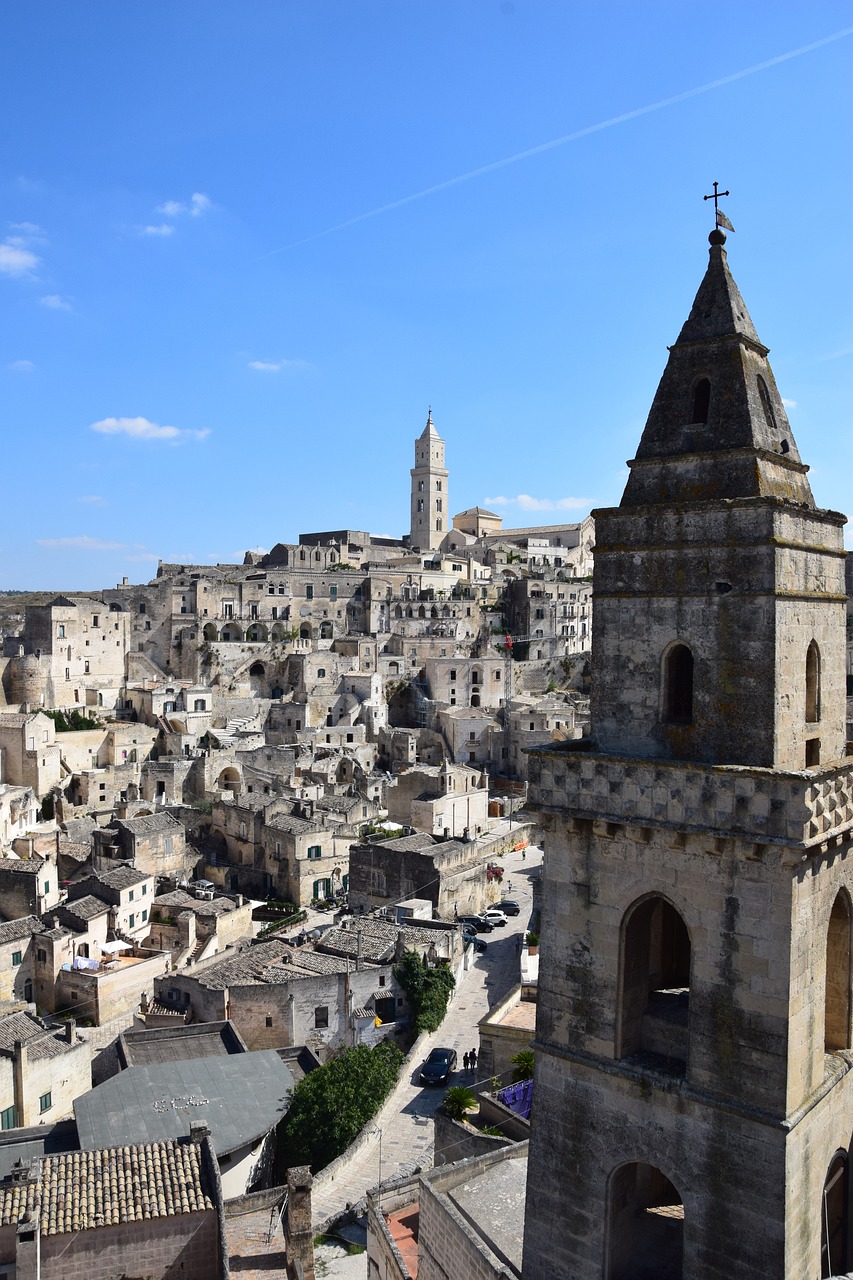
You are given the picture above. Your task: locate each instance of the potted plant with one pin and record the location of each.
(532, 940)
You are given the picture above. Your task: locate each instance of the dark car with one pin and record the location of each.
(469, 933)
(509, 907)
(478, 923)
(439, 1066)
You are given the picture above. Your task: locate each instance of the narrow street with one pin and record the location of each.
(407, 1140)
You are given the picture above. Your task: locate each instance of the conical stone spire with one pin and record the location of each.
(717, 426)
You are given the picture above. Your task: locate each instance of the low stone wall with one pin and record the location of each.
(455, 1140)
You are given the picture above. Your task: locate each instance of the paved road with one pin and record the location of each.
(407, 1139)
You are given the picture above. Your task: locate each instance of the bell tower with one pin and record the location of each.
(429, 507)
(693, 1102)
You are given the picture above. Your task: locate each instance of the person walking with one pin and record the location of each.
(472, 1058)
(466, 1058)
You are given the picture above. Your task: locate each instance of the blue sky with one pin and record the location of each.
(205, 345)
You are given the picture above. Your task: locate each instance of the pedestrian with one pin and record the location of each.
(524, 855)
(473, 1059)
(466, 1058)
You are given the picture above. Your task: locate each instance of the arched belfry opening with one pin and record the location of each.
(654, 987)
(701, 401)
(834, 1217)
(812, 683)
(839, 951)
(678, 685)
(766, 404)
(645, 1225)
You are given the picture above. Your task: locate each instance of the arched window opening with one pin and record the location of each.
(678, 685)
(764, 396)
(836, 1032)
(834, 1258)
(229, 780)
(305, 631)
(701, 400)
(475, 699)
(645, 1227)
(812, 683)
(655, 986)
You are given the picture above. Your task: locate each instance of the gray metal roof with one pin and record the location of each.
(161, 1101)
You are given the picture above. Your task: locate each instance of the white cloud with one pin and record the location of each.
(92, 500)
(15, 260)
(789, 404)
(199, 204)
(22, 366)
(158, 229)
(82, 542)
(142, 429)
(527, 503)
(31, 230)
(275, 366)
(55, 302)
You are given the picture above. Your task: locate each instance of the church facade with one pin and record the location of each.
(694, 1087)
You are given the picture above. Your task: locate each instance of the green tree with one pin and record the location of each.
(427, 989)
(522, 1065)
(331, 1106)
(458, 1100)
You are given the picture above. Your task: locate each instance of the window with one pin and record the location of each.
(17, 958)
(144, 915)
(7, 1118)
(678, 685)
(315, 851)
(701, 400)
(168, 850)
(131, 921)
(45, 1102)
(812, 683)
(764, 396)
(321, 1016)
(321, 673)
(61, 631)
(96, 621)
(131, 895)
(41, 955)
(268, 1020)
(838, 976)
(309, 591)
(655, 999)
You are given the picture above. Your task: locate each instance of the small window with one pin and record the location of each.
(45, 1102)
(701, 400)
(131, 921)
(268, 1020)
(678, 685)
(144, 916)
(321, 1016)
(7, 1118)
(145, 886)
(812, 683)
(41, 955)
(17, 958)
(315, 851)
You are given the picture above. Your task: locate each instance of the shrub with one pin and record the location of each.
(331, 1106)
(428, 990)
(458, 1100)
(522, 1065)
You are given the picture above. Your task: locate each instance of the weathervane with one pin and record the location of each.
(721, 219)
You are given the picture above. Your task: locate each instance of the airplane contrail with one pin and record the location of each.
(560, 142)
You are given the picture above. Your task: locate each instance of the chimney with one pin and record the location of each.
(359, 959)
(71, 1031)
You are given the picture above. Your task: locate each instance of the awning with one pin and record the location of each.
(112, 947)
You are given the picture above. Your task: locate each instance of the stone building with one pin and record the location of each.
(430, 509)
(450, 874)
(42, 1070)
(448, 800)
(29, 754)
(693, 1033)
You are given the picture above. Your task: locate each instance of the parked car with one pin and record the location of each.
(469, 933)
(495, 917)
(479, 923)
(509, 907)
(439, 1066)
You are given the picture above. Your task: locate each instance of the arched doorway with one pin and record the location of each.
(838, 957)
(645, 1225)
(229, 780)
(654, 991)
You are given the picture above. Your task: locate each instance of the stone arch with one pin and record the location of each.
(327, 631)
(257, 669)
(475, 699)
(834, 1217)
(398, 611)
(306, 631)
(229, 779)
(433, 613)
(812, 683)
(701, 401)
(279, 632)
(210, 633)
(231, 633)
(257, 633)
(677, 684)
(839, 952)
(421, 612)
(654, 984)
(645, 1224)
(393, 668)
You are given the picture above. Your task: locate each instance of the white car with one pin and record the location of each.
(494, 917)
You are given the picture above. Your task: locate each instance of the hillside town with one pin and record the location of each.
(254, 817)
